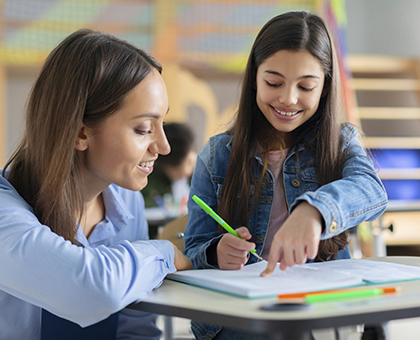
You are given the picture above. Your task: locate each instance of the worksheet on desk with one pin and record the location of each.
(310, 277)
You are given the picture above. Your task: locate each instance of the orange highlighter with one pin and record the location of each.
(338, 294)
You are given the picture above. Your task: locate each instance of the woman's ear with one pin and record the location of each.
(82, 139)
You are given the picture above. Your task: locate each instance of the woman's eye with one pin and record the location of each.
(142, 132)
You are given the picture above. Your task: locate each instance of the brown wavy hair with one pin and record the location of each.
(293, 31)
(83, 81)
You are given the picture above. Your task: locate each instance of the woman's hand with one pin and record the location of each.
(297, 240)
(232, 252)
(181, 262)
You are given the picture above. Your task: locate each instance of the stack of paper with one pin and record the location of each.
(300, 278)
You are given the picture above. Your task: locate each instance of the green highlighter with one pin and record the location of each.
(315, 298)
(219, 220)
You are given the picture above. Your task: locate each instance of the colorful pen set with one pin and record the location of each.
(219, 220)
(332, 295)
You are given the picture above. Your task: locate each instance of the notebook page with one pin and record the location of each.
(248, 282)
(372, 271)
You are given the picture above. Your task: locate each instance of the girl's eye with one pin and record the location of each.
(306, 88)
(272, 84)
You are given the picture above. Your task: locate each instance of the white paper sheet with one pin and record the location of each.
(300, 278)
(372, 271)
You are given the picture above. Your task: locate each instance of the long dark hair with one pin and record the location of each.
(294, 31)
(83, 81)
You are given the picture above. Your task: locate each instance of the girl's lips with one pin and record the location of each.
(287, 114)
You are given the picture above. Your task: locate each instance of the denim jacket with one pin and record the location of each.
(357, 197)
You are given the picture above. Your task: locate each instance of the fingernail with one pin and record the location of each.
(266, 273)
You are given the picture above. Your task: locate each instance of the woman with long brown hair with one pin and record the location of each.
(74, 238)
(288, 175)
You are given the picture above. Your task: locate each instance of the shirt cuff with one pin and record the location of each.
(167, 250)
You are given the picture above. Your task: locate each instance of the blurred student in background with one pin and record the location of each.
(168, 186)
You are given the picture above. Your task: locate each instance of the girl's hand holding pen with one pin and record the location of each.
(297, 240)
(232, 252)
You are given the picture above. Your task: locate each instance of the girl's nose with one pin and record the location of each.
(288, 97)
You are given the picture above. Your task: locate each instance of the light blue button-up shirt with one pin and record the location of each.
(117, 266)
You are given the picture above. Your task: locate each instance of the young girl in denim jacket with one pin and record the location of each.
(288, 175)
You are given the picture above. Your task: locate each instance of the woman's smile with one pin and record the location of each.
(146, 166)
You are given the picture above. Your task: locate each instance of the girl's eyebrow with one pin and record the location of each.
(302, 77)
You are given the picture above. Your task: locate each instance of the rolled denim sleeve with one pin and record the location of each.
(357, 197)
(202, 230)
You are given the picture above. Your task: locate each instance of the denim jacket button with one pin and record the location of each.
(295, 182)
(333, 227)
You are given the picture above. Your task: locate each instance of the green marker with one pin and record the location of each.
(219, 220)
(343, 295)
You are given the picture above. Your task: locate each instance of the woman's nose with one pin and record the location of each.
(161, 144)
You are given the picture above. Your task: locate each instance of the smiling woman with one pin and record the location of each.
(123, 148)
(73, 235)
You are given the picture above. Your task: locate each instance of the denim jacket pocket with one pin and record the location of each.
(309, 179)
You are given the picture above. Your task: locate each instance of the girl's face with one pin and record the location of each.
(123, 149)
(289, 87)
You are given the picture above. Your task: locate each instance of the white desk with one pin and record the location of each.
(187, 301)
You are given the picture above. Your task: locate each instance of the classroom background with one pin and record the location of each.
(203, 46)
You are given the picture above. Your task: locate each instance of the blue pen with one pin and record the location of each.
(219, 220)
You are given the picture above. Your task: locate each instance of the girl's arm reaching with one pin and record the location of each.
(342, 204)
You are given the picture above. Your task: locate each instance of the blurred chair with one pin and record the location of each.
(174, 232)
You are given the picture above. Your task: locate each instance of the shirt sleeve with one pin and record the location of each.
(84, 285)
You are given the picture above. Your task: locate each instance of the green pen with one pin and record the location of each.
(343, 295)
(219, 220)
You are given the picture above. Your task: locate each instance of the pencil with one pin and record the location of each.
(219, 220)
